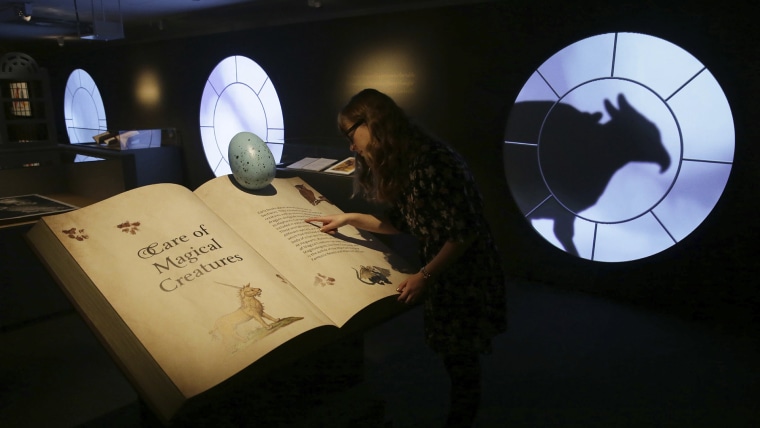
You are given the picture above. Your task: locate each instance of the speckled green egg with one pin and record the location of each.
(251, 161)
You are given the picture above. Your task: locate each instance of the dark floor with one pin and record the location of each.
(569, 360)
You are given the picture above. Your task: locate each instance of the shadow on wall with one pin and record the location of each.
(578, 156)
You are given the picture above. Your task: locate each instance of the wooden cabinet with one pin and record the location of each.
(27, 117)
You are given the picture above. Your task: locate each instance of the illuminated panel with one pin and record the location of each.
(618, 146)
(83, 110)
(20, 105)
(239, 97)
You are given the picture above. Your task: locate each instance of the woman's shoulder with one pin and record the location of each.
(439, 153)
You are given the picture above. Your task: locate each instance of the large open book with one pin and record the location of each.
(186, 289)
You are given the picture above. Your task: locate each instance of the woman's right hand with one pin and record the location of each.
(330, 223)
(368, 222)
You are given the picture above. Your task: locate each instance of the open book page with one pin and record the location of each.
(341, 274)
(198, 297)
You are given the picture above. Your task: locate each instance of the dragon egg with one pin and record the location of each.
(251, 161)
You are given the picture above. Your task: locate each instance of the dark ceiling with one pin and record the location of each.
(67, 21)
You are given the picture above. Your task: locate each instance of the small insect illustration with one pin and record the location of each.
(128, 227)
(75, 233)
(323, 280)
(373, 275)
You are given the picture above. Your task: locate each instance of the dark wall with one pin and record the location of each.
(457, 70)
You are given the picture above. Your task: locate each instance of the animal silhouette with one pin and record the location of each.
(578, 155)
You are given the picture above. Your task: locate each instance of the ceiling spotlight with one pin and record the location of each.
(316, 4)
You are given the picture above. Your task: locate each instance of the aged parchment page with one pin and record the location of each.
(340, 274)
(175, 273)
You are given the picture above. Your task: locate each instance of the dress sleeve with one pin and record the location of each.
(396, 219)
(448, 199)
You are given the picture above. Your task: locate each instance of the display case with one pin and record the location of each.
(52, 172)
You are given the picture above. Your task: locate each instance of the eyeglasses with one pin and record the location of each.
(350, 131)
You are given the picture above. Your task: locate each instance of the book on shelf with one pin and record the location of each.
(312, 164)
(189, 289)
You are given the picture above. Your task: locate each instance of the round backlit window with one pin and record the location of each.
(239, 97)
(83, 110)
(618, 146)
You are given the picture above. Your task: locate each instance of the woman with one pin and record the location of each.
(431, 195)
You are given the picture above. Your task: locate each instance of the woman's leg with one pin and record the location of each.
(464, 373)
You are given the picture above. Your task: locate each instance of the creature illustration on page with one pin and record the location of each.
(235, 330)
(323, 280)
(310, 196)
(373, 275)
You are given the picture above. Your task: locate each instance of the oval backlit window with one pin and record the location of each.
(83, 111)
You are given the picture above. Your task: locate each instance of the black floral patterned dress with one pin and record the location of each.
(465, 305)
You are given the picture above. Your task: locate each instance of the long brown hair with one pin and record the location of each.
(383, 172)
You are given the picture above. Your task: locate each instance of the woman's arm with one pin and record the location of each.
(366, 222)
(413, 287)
(448, 254)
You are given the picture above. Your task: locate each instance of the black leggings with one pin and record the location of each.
(464, 373)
